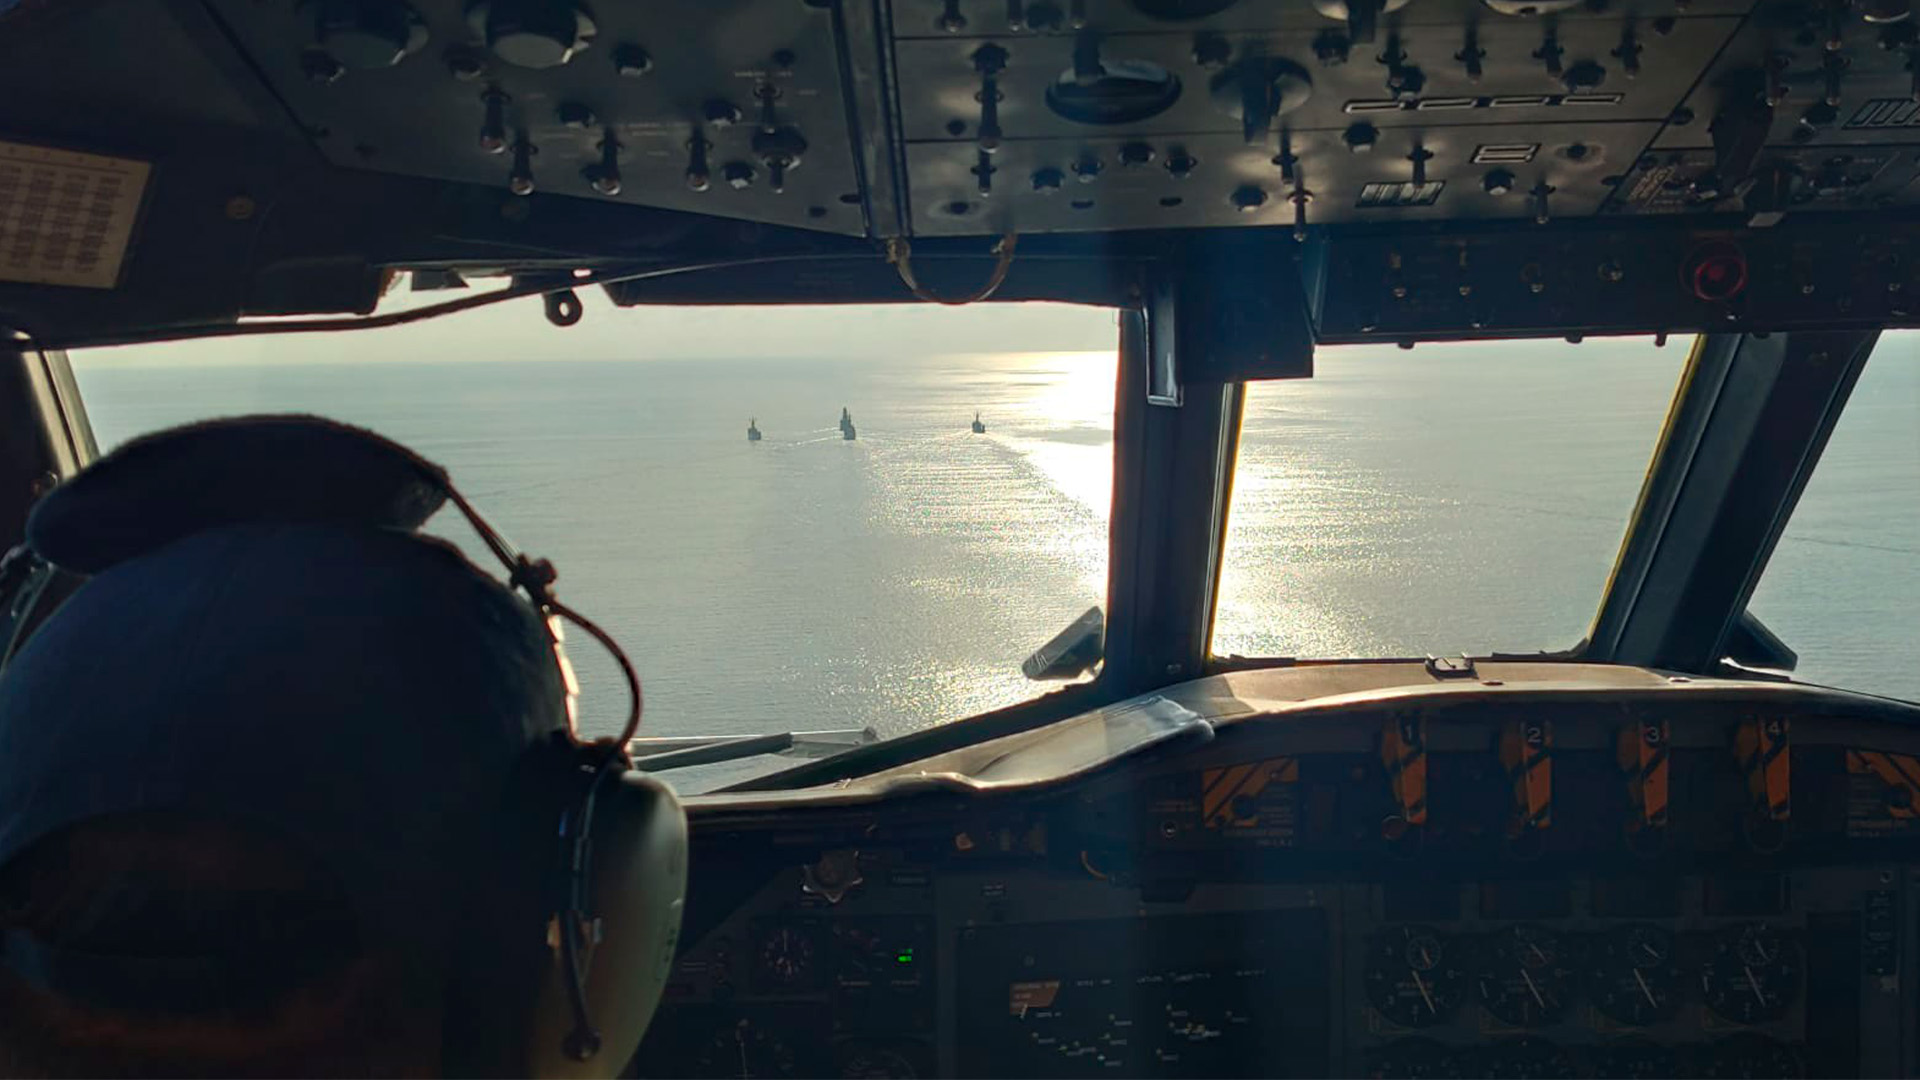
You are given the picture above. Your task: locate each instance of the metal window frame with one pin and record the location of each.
(1749, 422)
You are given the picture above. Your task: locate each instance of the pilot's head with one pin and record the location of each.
(280, 792)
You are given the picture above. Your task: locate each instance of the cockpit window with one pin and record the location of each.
(889, 574)
(1452, 498)
(1843, 587)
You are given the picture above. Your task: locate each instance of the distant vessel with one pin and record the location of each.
(753, 430)
(978, 427)
(846, 425)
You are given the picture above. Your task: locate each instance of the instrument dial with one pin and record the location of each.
(746, 1051)
(1754, 1056)
(786, 957)
(1635, 976)
(1525, 977)
(1413, 977)
(1752, 975)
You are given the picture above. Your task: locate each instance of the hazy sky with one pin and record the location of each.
(518, 330)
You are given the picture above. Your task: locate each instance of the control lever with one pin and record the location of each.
(1403, 751)
(1526, 752)
(1763, 749)
(1641, 750)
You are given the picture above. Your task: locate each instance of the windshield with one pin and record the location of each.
(1843, 586)
(1445, 499)
(800, 581)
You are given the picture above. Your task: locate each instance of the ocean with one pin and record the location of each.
(1401, 503)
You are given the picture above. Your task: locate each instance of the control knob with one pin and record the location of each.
(367, 34)
(532, 33)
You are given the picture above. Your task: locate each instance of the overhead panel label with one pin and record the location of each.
(66, 217)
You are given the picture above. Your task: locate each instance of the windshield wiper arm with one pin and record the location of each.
(664, 754)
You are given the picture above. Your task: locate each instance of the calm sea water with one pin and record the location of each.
(1446, 499)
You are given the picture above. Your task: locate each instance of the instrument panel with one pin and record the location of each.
(1462, 893)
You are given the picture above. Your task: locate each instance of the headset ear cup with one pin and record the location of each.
(635, 892)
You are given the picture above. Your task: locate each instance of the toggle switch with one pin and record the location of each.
(1629, 50)
(1498, 182)
(983, 171)
(605, 176)
(780, 151)
(698, 177)
(1472, 55)
(989, 61)
(1419, 157)
(1542, 211)
(520, 177)
(1300, 198)
(493, 126)
(1550, 53)
(1087, 68)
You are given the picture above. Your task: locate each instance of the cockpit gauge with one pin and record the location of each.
(1635, 976)
(1751, 1055)
(1412, 1059)
(745, 1050)
(1635, 1059)
(785, 956)
(1525, 1057)
(1752, 974)
(1525, 976)
(1413, 976)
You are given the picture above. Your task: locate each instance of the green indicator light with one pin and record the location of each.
(905, 957)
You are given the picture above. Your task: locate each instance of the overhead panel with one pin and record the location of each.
(1036, 117)
(720, 107)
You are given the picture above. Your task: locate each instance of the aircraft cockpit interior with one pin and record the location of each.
(1659, 845)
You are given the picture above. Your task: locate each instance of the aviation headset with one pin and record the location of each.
(608, 855)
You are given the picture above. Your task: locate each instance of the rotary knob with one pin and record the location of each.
(1135, 154)
(1247, 198)
(532, 33)
(1047, 181)
(1360, 138)
(367, 34)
